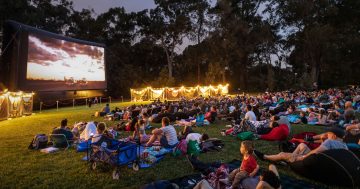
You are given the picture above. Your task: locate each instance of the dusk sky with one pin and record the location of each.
(101, 6)
(54, 59)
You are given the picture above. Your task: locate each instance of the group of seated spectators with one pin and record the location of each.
(267, 116)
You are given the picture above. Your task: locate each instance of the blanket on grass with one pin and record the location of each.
(190, 181)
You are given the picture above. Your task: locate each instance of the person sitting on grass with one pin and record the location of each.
(139, 132)
(103, 136)
(62, 130)
(248, 167)
(166, 135)
(333, 141)
(146, 119)
(322, 118)
(105, 110)
(211, 115)
(312, 115)
(250, 115)
(100, 130)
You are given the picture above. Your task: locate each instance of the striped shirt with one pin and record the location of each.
(170, 134)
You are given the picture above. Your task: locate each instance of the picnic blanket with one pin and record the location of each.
(151, 156)
(293, 118)
(304, 107)
(190, 181)
(286, 181)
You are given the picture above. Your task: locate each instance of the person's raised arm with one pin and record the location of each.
(354, 126)
(157, 131)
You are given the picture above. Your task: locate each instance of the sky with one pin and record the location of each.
(101, 6)
(55, 59)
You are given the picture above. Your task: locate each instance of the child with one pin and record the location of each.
(139, 132)
(312, 115)
(249, 166)
(303, 118)
(322, 117)
(100, 129)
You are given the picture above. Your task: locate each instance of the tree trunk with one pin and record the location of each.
(198, 71)
(243, 74)
(270, 78)
(315, 73)
(169, 61)
(223, 77)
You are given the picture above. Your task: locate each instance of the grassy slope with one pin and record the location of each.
(23, 168)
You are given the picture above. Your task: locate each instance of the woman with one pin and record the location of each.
(139, 132)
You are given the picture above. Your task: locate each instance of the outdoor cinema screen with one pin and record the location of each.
(55, 64)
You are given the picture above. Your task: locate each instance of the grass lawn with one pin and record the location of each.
(23, 168)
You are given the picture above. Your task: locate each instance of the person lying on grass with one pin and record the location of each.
(197, 137)
(248, 167)
(333, 141)
(166, 135)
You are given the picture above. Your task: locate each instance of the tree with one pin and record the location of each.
(169, 23)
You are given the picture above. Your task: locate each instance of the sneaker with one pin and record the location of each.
(259, 154)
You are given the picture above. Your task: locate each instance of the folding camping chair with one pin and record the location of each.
(60, 141)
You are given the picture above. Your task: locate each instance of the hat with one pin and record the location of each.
(339, 132)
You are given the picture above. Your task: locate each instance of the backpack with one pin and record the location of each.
(193, 148)
(247, 135)
(39, 141)
(181, 148)
(212, 145)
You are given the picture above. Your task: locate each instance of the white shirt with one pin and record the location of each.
(170, 134)
(231, 108)
(193, 136)
(250, 115)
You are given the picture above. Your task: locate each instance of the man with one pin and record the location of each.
(333, 141)
(166, 134)
(62, 130)
(105, 110)
(250, 115)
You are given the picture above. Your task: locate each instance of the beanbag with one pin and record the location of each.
(277, 134)
(333, 167)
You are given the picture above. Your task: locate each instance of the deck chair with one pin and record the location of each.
(60, 141)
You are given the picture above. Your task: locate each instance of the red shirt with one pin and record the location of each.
(249, 164)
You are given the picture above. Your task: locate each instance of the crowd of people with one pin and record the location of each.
(266, 116)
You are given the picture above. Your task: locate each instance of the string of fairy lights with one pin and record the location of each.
(13, 102)
(149, 93)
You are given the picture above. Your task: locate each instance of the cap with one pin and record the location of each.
(339, 132)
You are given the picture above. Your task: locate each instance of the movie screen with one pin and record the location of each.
(54, 64)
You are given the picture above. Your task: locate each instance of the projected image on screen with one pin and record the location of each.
(64, 65)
